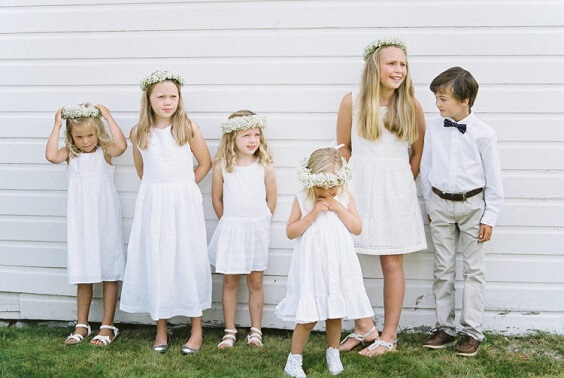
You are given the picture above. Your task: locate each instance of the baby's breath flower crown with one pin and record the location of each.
(323, 180)
(80, 111)
(160, 76)
(391, 41)
(243, 123)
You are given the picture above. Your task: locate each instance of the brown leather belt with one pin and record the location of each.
(457, 196)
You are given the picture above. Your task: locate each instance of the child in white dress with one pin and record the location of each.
(94, 231)
(244, 198)
(325, 279)
(167, 271)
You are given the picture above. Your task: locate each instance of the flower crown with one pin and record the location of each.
(160, 76)
(243, 123)
(323, 180)
(390, 41)
(80, 111)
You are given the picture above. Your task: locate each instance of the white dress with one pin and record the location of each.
(386, 195)
(325, 279)
(167, 271)
(94, 232)
(240, 242)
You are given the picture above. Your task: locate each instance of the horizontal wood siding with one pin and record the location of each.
(291, 61)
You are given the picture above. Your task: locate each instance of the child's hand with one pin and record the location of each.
(320, 206)
(485, 233)
(59, 118)
(105, 111)
(334, 205)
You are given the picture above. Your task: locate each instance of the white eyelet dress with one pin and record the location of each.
(95, 245)
(325, 279)
(167, 271)
(386, 195)
(241, 239)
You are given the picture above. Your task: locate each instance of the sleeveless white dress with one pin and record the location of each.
(167, 271)
(325, 279)
(241, 239)
(386, 195)
(95, 245)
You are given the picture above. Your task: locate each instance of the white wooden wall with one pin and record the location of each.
(291, 61)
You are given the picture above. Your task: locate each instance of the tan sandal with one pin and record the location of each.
(228, 339)
(77, 337)
(254, 338)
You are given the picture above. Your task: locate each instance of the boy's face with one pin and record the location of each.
(450, 107)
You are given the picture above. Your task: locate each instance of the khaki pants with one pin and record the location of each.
(453, 222)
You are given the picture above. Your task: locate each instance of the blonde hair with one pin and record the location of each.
(94, 122)
(400, 118)
(181, 124)
(324, 160)
(227, 150)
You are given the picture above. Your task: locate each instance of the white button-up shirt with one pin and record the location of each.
(457, 163)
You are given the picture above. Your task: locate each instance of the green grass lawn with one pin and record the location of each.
(38, 351)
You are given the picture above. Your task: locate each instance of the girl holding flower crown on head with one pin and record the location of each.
(325, 279)
(167, 271)
(244, 198)
(378, 126)
(94, 232)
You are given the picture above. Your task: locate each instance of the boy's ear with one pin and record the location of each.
(465, 102)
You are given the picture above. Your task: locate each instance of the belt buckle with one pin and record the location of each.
(464, 197)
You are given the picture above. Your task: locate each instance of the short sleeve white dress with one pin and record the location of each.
(386, 195)
(325, 279)
(95, 245)
(241, 239)
(167, 271)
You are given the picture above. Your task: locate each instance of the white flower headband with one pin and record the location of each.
(160, 76)
(80, 111)
(243, 123)
(323, 180)
(391, 41)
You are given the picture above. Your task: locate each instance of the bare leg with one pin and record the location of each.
(83, 300)
(394, 291)
(162, 333)
(361, 327)
(196, 333)
(110, 301)
(229, 299)
(333, 332)
(300, 337)
(256, 300)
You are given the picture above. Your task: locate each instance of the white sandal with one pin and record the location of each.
(254, 338)
(359, 338)
(390, 346)
(77, 337)
(228, 339)
(105, 339)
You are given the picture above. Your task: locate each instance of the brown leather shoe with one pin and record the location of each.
(440, 340)
(467, 346)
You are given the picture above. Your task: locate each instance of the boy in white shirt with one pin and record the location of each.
(462, 189)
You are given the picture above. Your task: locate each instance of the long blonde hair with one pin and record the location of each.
(227, 150)
(97, 125)
(181, 124)
(324, 160)
(400, 118)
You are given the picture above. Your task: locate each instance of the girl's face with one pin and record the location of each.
(248, 141)
(322, 193)
(85, 138)
(393, 67)
(164, 99)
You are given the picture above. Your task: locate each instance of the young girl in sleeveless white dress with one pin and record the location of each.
(325, 280)
(377, 128)
(94, 231)
(244, 198)
(167, 271)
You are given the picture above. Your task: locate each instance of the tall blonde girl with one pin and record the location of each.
(94, 231)
(378, 127)
(167, 271)
(244, 198)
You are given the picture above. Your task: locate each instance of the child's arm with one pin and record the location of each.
(349, 215)
(118, 145)
(53, 153)
(201, 153)
(137, 157)
(297, 225)
(217, 189)
(344, 126)
(417, 146)
(493, 191)
(271, 190)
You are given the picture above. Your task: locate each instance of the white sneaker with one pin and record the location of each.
(294, 366)
(334, 361)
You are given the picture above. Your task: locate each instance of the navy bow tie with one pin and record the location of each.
(460, 126)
